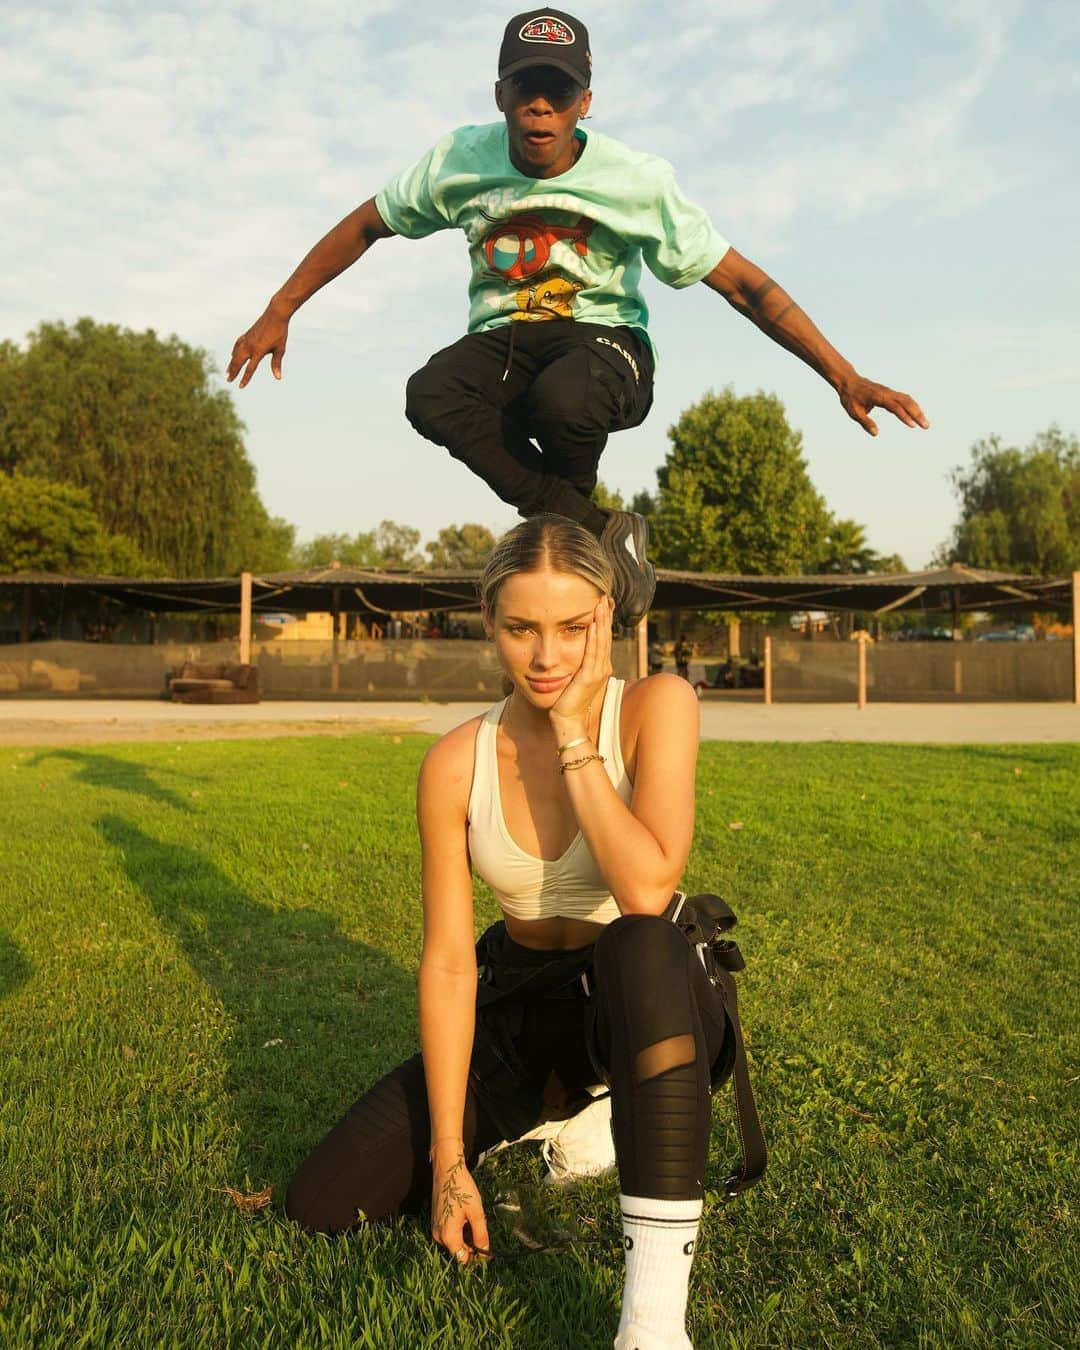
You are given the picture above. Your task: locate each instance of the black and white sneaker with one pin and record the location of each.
(624, 539)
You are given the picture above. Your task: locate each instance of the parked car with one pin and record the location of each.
(1021, 633)
(923, 635)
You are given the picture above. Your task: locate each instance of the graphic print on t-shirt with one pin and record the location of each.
(519, 249)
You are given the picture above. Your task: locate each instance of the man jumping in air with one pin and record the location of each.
(557, 354)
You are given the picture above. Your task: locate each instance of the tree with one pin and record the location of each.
(134, 420)
(460, 546)
(388, 545)
(607, 499)
(846, 551)
(734, 493)
(52, 527)
(325, 549)
(273, 545)
(1019, 509)
(396, 545)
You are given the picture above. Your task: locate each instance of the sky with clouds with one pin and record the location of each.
(907, 171)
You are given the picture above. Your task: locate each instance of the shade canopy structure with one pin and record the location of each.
(373, 592)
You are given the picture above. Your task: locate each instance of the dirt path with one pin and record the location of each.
(87, 722)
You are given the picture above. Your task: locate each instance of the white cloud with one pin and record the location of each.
(1043, 378)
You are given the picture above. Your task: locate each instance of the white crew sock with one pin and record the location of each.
(659, 1237)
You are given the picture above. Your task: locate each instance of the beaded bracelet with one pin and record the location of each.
(577, 763)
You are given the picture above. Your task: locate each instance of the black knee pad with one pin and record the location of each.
(642, 966)
(642, 947)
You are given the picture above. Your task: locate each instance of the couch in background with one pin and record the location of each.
(214, 682)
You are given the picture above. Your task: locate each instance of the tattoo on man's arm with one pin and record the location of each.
(756, 296)
(789, 306)
(451, 1193)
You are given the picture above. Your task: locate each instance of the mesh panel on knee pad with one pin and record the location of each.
(663, 1055)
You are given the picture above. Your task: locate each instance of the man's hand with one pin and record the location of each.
(758, 298)
(348, 240)
(268, 334)
(859, 396)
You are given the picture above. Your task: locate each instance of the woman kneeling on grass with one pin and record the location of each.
(574, 799)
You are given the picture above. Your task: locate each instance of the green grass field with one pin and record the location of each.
(207, 950)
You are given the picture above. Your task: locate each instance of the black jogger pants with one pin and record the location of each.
(654, 1021)
(567, 386)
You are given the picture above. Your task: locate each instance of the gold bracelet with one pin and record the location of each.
(442, 1139)
(581, 740)
(577, 763)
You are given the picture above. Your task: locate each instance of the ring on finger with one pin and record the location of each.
(459, 1253)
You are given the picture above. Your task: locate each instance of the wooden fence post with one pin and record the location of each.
(245, 618)
(768, 668)
(1076, 636)
(734, 631)
(335, 624)
(862, 669)
(641, 650)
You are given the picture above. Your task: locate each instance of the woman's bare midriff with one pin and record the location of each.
(553, 934)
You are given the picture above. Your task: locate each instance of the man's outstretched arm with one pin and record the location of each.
(349, 240)
(758, 298)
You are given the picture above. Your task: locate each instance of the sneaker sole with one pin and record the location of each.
(628, 576)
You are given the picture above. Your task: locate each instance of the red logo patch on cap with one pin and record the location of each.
(547, 29)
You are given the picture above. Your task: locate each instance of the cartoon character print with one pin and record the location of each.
(519, 249)
(547, 297)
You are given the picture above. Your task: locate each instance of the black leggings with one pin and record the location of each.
(659, 1029)
(569, 385)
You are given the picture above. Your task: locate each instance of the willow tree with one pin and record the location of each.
(1019, 509)
(135, 420)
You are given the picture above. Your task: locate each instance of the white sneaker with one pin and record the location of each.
(583, 1146)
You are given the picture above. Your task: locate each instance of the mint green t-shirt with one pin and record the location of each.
(564, 247)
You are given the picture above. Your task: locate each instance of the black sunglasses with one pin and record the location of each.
(554, 84)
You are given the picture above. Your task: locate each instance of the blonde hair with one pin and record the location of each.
(545, 543)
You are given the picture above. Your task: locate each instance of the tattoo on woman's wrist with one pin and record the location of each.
(450, 1193)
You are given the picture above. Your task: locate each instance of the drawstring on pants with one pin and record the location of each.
(509, 351)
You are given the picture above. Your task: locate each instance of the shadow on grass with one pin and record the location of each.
(119, 775)
(15, 969)
(316, 1016)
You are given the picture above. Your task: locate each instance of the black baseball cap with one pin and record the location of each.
(546, 37)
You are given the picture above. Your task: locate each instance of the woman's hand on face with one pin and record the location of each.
(457, 1212)
(575, 702)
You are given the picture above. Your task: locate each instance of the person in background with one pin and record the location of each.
(683, 652)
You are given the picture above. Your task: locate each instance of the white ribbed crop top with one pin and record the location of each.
(527, 887)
